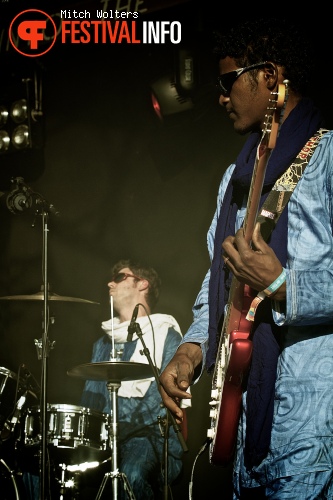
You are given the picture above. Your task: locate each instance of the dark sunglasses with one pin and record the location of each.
(226, 81)
(123, 276)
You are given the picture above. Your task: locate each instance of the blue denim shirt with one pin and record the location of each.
(302, 433)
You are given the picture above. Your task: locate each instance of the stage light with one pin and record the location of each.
(3, 115)
(4, 141)
(21, 124)
(20, 118)
(166, 99)
(19, 111)
(171, 93)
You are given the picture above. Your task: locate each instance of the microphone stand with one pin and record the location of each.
(19, 199)
(44, 378)
(137, 329)
(46, 208)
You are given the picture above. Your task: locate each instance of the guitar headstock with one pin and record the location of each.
(273, 118)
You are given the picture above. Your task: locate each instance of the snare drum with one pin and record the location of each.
(75, 432)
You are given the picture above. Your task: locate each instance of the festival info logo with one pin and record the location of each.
(32, 33)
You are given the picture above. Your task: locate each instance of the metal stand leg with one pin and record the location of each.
(113, 387)
(67, 485)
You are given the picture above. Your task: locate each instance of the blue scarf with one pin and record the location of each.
(301, 124)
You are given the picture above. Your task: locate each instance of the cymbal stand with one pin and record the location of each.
(67, 484)
(113, 387)
(138, 331)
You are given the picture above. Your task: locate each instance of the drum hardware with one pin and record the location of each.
(15, 390)
(113, 372)
(8, 483)
(44, 209)
(67, 484)
(114, 475)
(51, 296)
(39, 347)
(10, 424)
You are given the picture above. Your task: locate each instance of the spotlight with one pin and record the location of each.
(19, 111)
(18, 121)
(166, 99)
(21, 124)
(4, 141)
(3, 115)
(172, 93)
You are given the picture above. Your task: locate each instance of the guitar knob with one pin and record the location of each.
(214, 393)
(211, 433)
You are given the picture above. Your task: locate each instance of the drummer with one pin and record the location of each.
(141, 416)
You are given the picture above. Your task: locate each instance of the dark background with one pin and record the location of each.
(126, 186)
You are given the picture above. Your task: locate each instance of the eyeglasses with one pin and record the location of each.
(226, 81)
(123, 276)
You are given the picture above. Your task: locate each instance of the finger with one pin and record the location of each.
(257, 239)
(226, 258)
(172, 403)
(228, 247)
(175, 385)
(240, 242)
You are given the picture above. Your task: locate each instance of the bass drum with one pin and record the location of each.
(11, 486)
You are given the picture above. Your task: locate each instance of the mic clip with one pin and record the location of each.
(131, 330)
(132, 327)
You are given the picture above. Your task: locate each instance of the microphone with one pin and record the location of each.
(10, 424)
(132, 328)
(19, 198)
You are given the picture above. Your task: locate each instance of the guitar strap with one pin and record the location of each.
(285, 185)
(278, 198)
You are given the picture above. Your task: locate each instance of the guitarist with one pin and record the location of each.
(285, 432)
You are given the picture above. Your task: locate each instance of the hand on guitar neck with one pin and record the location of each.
(255, 265)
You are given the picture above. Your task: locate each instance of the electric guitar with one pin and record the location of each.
(235, 348)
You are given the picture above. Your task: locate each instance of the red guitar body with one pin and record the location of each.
(226, 395)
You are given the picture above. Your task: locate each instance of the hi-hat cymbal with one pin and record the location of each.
(51, 296)
(111, 370)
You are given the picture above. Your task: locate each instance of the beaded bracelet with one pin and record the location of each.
(273, 287)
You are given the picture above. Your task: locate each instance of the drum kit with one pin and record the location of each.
(77, 438)
(69, 438)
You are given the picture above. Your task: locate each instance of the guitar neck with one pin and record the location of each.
(257, 182)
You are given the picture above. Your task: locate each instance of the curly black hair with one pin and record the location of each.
(145, 272)
(270, 39)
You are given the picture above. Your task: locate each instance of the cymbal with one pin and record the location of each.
(111, 370)
(51, 296)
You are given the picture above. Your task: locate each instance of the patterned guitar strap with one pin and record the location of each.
(279, 197)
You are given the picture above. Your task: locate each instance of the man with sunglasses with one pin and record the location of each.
(284, 446)
(141, 416)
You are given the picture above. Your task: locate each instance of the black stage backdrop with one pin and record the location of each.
(126, 185)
